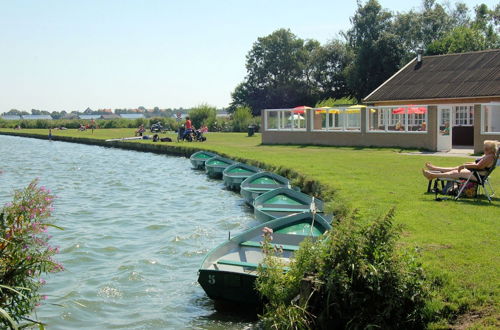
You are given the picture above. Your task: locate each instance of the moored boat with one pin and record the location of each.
(281, 202)
(234, 174)
(199, 158)
(229, 271)
(216, 165)
(260, 183)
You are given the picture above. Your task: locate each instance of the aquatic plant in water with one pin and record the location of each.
(25, 253)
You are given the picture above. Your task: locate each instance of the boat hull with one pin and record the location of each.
(199, 158)
(248, 195)
(216, 165)
(214, 172)
(229, 286)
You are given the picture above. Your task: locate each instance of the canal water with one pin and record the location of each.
(136, 229)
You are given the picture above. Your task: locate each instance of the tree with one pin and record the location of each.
(459, 40)
(276, 67)
(377, 50)
(328, 65)
(203, 114)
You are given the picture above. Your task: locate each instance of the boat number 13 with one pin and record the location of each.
(211, 279)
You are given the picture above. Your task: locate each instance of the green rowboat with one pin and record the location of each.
(216, 165)
(260, 183)
(199, 158)
(234, 175)
(281, 202)
(229, 271)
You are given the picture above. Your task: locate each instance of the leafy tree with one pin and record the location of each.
(327, 65)
(276, 73)
(459, 40)
(377, 50)
(203, 114)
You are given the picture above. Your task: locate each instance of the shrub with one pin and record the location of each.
(360, 280)
(203, 115)
(241, 118)
(24, 253)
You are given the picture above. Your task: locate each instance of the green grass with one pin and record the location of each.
(459, 240)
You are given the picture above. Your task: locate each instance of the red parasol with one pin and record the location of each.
(301, 109)
(412, 109)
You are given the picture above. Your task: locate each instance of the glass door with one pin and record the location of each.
(444, 126)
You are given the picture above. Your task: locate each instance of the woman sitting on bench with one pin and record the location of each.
(463, 171)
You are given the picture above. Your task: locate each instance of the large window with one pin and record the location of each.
(397, 119)
(336, 119)
(285, 119)
(491, 118)
(464, 115)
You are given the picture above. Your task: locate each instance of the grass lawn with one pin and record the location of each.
(459, 241)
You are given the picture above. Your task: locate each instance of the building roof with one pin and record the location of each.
(33, 117)
(10, 117)
(465, 75)
(110, 116)
(132, 115)
(88, 117)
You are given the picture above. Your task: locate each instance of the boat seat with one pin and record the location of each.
(243, 264)
(237, 263)
(238, 174)
(258, 245)
(286, 206)
(265, 186)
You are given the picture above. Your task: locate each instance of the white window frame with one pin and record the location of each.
(463, 109)
(483, 118)
(392, 120)
(342, 128)
(281, 121)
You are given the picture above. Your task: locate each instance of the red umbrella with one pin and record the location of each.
(412, 109)
(301, 109)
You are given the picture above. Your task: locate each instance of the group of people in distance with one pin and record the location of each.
(482, 164)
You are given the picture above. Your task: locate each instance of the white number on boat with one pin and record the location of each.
(211, 279)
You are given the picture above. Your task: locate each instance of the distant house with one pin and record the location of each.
(10, 117)
(110, 116)
(36, 117)
(433, 102)
(132, 115)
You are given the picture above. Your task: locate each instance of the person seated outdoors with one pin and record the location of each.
(188, 128)
(204, 129)
(423, 127)
(140, 130)
(399, 126)
(482, 164)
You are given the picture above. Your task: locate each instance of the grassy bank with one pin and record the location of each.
(458, 240)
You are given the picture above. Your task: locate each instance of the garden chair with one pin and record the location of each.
(458, 187)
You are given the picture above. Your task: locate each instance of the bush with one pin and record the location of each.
(24, 252)
(203, 115)
(360, 281)
(242, 117)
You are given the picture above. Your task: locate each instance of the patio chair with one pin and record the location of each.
(446, 186)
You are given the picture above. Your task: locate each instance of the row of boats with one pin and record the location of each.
(229, 271)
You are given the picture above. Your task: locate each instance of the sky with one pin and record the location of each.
(70, 55)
